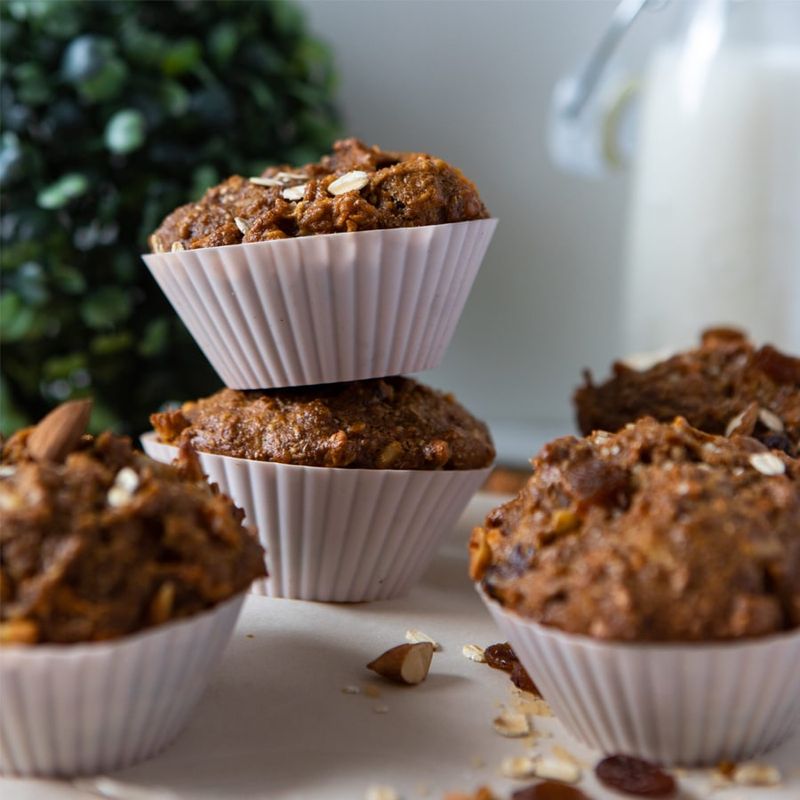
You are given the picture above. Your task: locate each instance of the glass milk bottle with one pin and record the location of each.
(713, 234)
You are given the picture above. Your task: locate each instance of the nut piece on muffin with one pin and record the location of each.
(387, 423)
(356, 188)
(724, 386)
(98, 541)
(659, 532)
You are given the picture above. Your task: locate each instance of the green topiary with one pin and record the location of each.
(114, 113)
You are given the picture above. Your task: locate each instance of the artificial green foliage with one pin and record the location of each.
(114, 113)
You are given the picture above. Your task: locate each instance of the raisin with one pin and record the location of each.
(521, 679)
(500, 656)
(635, 776)
(778, 441)
(549, 790)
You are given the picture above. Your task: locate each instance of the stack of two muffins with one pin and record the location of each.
(310, 291)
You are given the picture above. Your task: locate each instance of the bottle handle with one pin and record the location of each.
(589, 127)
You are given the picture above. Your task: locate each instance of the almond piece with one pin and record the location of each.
(406, 663)
(512, 725)
(55, 437)
(353, 181)
(415, 636)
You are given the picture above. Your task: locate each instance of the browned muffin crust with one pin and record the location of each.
(386, 423)
(396, 190)
(659, 532)
(111, 542)
(726, 385)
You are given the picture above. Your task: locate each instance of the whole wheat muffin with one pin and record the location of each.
(102, 541)
(356, 188)
(385, 423)
(724, 386)
(656, 533)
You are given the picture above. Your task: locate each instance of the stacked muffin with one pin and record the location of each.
(310, 290)
(648, 574)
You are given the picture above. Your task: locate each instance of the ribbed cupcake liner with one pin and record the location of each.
(327, 308)
(341, 535)
(86, 708)
(689, 704)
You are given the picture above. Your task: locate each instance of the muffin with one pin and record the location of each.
(389, 423)
(724, 386)
(355, 188)
(350, 486)
(122, 579)
(355, 267)
(657, 556)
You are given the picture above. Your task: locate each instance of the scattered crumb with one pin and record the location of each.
(754, 773)
(351, 689)
(250, 636)
(473, 652)
(379, 792)
(511, 725)
(370, 690)
(518, 767)
(561, 752)
(557, 769)
(382, 709)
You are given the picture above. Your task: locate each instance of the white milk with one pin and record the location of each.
(714, 227)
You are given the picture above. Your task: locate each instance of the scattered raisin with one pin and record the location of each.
(521, 679)
(549, 790)
(501, 656)
(635, 776)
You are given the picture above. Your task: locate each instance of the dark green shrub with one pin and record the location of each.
(114, 113)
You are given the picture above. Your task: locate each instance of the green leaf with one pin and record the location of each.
(126, 131)
(155, 338)
(175, 98)
(17, 320)
(106, 84)
(86, 57)
(66, 188)
(63, 367)
(106, 307)
(33, 85)
(222, 42)
(111, 343)
(68, 279)
(181, 57)
(203, 177)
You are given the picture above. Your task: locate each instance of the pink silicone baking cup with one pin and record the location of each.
(327, 308)
(691, 704)
(81, 709)
(346, 535)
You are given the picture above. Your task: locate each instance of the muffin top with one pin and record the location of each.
(356, 188)
(659, 532)
(725, 386)
(101, 541)
(386, 423)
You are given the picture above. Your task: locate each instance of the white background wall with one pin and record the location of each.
(470, 81)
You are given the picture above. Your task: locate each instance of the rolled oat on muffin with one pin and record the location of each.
(726, 385)
(659, 532)
(355, 188)
(388, 423)
(101, 541)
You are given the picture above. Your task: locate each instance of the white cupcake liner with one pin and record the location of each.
(339, 535)
(85, 708)
(689, 704)
(327, 308)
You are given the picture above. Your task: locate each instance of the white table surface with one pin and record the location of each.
(276, 724)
